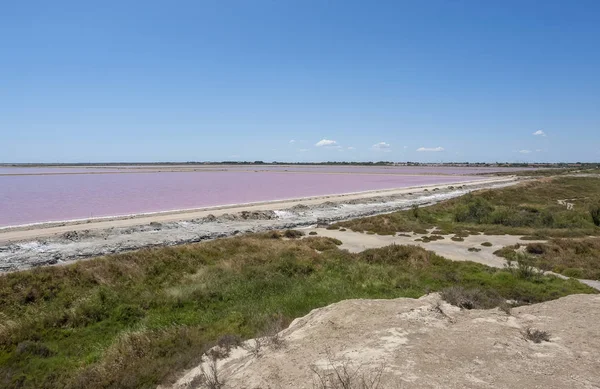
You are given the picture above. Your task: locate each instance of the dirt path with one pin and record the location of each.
(425, 343)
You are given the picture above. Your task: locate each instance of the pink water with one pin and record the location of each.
(42, 198)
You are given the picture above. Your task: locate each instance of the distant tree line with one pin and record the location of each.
(333, 163)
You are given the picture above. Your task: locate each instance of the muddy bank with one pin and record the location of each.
(83, 243)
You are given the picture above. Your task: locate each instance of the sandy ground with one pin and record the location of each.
(23, 248)
(425, 343)
(457, 251)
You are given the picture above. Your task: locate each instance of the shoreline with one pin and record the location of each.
(57, 245)
(43, 229)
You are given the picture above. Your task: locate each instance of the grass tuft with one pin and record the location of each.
(537, 336)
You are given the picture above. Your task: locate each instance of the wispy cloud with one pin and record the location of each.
(539, 133)
(303, 150)
(351, 148)
(524, 151)
(293, 141)
(431, 149)
(382, 146)
(326, 143)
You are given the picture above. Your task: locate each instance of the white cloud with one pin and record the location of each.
(431, 149)
(524, 151)
(326, 143)
(293, 141)
(538, 150)
(539, 133)
(351, 148)
(382, 146)
(303, 150)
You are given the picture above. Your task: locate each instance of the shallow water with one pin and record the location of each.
(28, 199)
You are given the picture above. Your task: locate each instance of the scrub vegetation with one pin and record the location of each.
(134, 320)
(531, 208)
(578, 258)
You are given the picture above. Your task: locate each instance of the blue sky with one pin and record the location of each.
(299, 80)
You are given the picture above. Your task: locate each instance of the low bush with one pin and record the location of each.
(322, 243)
(535, 248)
(293, 234)
(572, 272)
(474, 298)
(595, 214)
(33, 348)
(487, 244)
(537, 336)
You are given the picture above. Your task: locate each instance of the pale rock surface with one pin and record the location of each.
(427, 343)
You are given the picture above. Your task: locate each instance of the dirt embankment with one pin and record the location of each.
(423, 343)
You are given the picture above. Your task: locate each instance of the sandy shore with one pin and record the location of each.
(34, 231)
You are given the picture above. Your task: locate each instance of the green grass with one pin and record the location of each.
(578, 258)
(134, 320)
(529, 208)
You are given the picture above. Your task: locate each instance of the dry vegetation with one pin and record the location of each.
(537, 336)
(344, 375)
(579, 258)
(133, 320)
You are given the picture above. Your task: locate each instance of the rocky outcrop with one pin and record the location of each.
(425, 343)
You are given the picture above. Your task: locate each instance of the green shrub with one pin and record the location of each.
(293, 234)
(33, 348)
(415, 211)
(471, 298)
(474, 209)
(595, 213)
(535, 248)
(573, 272)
